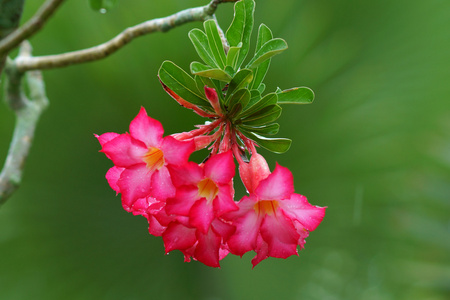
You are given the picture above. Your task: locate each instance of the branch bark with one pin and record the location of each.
(29, 28)
(103, 50)
(28, 112)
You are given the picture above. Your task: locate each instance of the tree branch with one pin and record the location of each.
(27, 112)
(29, 28)
(103, 50)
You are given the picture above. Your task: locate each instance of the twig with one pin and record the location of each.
(27, 112)
(29, 28)
(103, 50)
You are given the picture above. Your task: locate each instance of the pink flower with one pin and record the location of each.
(207, 247)
(141, 158)
(272, 220)
(203, 192)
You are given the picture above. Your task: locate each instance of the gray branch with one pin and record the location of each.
(103, 50)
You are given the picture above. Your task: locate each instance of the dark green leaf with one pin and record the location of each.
(269, 129)
(298, 95)
(266, 115)
(261, 88)
(241, 97)
(277, 145)
(241, 28)
(181, 83)
(240, 80)
(200, 42)
(205, 71)
(269, 99)
(264, 35)
(269, 49)
(102, 5)
(215, 43)
(233, 55)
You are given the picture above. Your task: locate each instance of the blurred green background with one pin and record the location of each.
(374, 147)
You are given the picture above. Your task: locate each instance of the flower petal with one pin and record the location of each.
(154, 227)
(278, 185)
(161, 184)
(247, 228)
(184, 198)
(224, 202)
(262, 251)
(298, 208)
(187, 174)
(146, 129)
(280, 234)
(125, 151)
(220, 167)
(112, 176)
(177, 152)
(106, 137)
(135, 183)
(207, 250)
(253, 172)
(178, 237)
(201, 215)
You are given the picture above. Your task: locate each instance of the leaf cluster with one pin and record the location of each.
(239, 85)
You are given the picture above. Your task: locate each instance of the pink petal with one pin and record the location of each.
(247, 228)
(161, 184)
(106, 137)
(178, 237)
(280, 234)
(140, 207)
(154, 227)
(177, 152)
(112, 176)
(146, 129)
(125, 151)
(255, 171)
(278, 185)
(135, 183)
(224, 202)
(223, 229)
(220, 167)
(297, 207)
(184, 198)
(262, 251)
(207, 250)
(201, 215)
(187, 174)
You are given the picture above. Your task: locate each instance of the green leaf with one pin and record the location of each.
(201, 45)
(264, 35)
(266, 115)
(102, 5)
(241, 97)
(269, 49)
(205, 71)
(276, 145)
(181, 83)
(298, 95)
(240, 80)
(233, 55)
(241, 28)
(269, 129)
(215, 43)
(267, 100)
(261, 88)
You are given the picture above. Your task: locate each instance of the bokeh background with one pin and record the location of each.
(374, 147)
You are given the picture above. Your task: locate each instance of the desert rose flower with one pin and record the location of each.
(141, 158)
(272, 220)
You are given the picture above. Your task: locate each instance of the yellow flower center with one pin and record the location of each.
(154, 158)
(208, 189)
(266, 207)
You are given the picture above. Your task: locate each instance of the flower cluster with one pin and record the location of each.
(192, 205)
